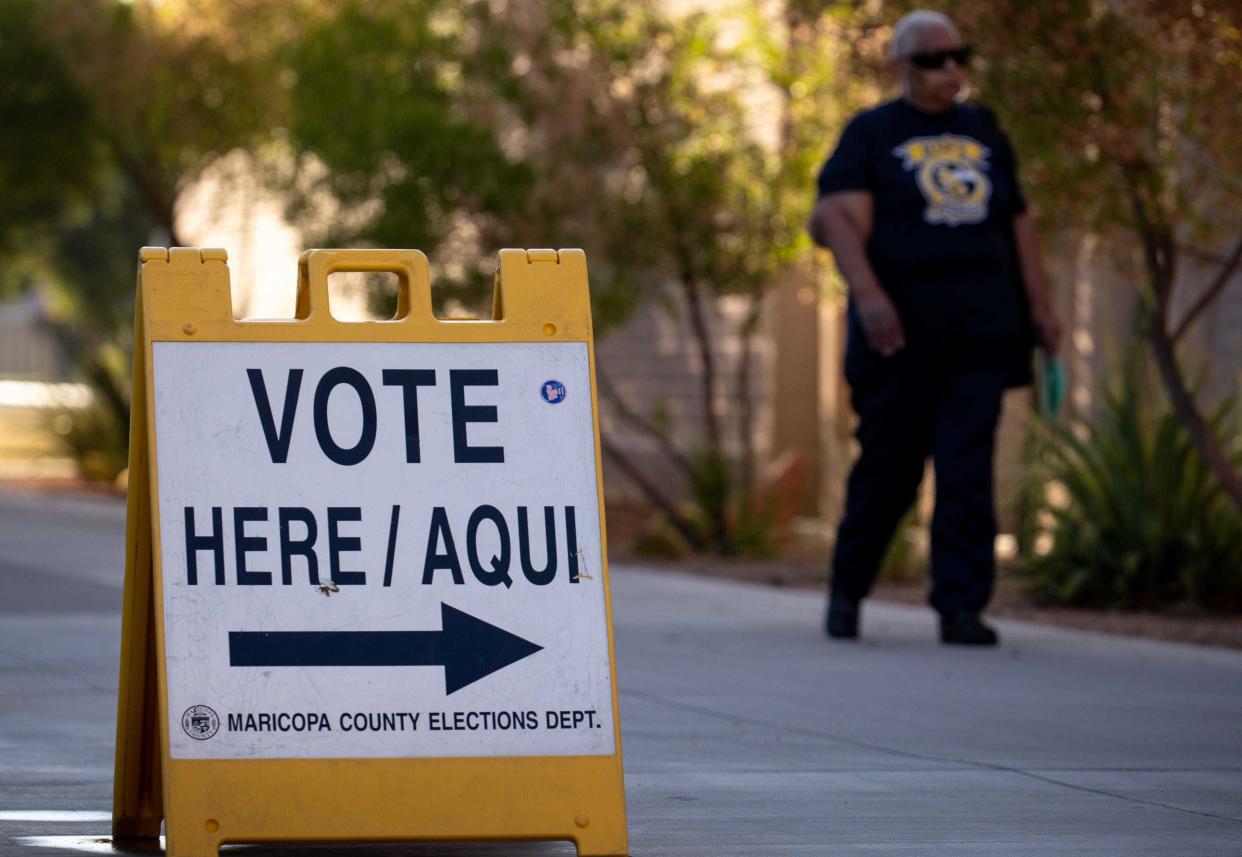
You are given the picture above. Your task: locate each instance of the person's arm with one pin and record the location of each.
(841, 222)
(1035, 281)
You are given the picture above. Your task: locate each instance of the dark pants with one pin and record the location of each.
(910, 406)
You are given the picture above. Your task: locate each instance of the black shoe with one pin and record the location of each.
(966, 629)
(842, 620)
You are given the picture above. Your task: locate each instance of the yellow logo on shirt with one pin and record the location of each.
(951, 175)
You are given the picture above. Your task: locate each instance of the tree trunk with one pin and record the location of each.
(703, 342)
(745, 399)
(1184, 407)
(714, 499)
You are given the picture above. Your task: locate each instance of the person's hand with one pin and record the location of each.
(1047, 328)
(880, 322)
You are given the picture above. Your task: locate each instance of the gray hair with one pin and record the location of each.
(911, 25)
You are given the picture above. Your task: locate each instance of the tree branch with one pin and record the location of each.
(645, 426)
(1184, 406)
(653, 494)
(1228, 267)
(1202, 254)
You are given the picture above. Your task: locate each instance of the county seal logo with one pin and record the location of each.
(952, 176)
(200, 722)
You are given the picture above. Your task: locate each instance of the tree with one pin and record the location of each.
(388, 142)
(700, 210)
(608, 125)
(1126, 116)
(679, 148)
(110, 110)
(48, 160)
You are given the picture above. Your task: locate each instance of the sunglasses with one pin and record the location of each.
(930, 60)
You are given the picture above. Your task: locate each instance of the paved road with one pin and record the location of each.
(745, 732)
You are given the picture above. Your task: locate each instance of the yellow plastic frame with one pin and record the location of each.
(184, 296)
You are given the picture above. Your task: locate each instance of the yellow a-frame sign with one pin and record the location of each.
(366, 591)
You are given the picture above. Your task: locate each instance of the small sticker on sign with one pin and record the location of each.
(553, 392)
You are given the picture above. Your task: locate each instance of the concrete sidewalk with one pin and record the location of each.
(746, 732)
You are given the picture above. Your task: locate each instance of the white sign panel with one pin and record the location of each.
(380, 550)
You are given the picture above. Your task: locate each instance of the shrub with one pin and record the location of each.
(1137, 517)
(731, 518)
(906, 558)
(94, 439)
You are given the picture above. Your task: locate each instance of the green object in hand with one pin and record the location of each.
(1050, 385)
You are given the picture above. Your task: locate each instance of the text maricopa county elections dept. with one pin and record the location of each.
(315, 538)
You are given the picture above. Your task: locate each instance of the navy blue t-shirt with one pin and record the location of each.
(945, 191)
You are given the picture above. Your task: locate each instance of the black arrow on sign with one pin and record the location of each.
(467, 648)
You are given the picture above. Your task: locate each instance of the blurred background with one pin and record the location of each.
(676, 143)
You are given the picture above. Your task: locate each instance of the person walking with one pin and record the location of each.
(921, 208)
